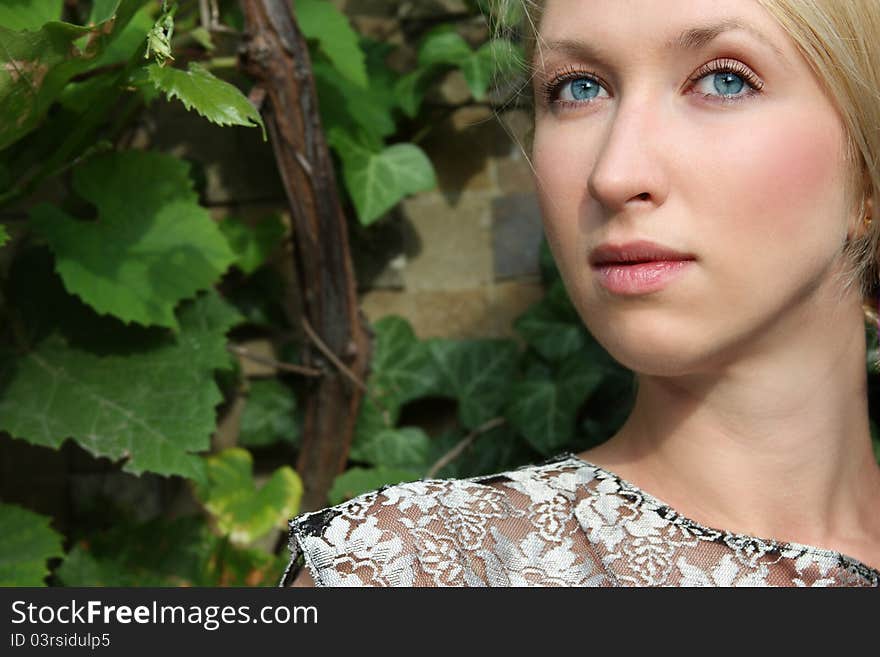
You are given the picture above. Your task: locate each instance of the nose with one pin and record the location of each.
(628, 170)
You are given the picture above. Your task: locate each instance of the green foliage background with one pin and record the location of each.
(117, 308)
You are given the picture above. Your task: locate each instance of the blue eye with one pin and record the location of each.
(727, 78)
(579, 89)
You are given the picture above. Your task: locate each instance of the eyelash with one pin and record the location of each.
(551, 88)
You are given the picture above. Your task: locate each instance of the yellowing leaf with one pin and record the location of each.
(242, 511)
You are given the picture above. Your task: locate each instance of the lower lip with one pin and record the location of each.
(640, 278)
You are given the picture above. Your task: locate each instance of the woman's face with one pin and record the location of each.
(728, 151)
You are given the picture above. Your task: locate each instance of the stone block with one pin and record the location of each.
(487, 311)
(516, 236)
(462, 146)
(452, 248)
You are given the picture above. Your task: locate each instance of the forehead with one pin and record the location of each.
(656, 28)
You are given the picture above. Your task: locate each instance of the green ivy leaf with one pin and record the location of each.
(406, 449)
(350, 109)
(252, 244)
(477, 373)
(269, 415)
(241, 511)
(152, 246)
(4, 236)
(144, 396)
(552, 326)
(444, 46)
(35, 65)
(409, 90)
(378, 181)
(29, 14)
(179, 552)
(355, 481)
(544, 410)
(199, 89)
(321, 21)
(26, 543)
(401, 368)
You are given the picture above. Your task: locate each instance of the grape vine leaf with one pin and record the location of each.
(143, 395)
(321, 21)
(200, 90)
(544, 411)
(377, 181)
(355, 481)
(269, 415)
(178, 552)
(35, 65)
(152, 245)
(241, 511)
(26, 543)
(29, 14)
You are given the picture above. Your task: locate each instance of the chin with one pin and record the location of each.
(653, 348)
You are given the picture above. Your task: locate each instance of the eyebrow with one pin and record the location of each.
(692, 38)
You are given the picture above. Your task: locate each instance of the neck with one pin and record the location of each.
(775, 447)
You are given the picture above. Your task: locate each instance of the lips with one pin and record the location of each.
(636, 252)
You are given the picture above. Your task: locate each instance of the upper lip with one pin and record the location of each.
(637, 251)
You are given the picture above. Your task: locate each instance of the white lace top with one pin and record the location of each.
(565, 522)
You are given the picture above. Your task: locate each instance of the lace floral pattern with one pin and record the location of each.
(564, 522)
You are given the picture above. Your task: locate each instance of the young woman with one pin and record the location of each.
(707, 171)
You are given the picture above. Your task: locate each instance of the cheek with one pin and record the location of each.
(782, 181)
(561, 175)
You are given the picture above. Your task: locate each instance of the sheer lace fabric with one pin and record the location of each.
(565, 522)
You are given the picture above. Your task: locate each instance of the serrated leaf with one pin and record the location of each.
(29, 14)
(321, 21)
(355, 481)
(544, 410)
(241, 511)
(406, 448)
(179, 552)
(26, 543)
(4, 236)
(144, 396)
(252, 244)
(200, 90)
(269, 415)
(152, 245)
(378, 181)
(35, 65)
(477, 373)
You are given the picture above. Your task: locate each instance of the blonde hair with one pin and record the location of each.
(839, 42)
